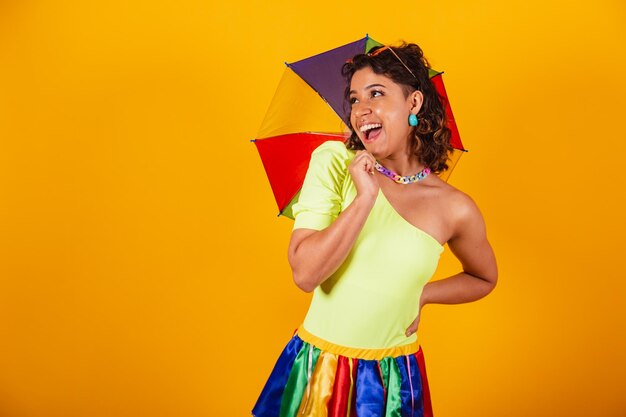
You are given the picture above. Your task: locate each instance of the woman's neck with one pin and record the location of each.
(403, 164)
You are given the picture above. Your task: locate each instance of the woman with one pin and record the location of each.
(370, 225)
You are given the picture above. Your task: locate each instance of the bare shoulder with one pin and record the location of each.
(462, 212)
(468, 238)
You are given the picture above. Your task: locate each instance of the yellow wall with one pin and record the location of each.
(143, 271)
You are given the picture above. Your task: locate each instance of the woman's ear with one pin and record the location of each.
(417, 98)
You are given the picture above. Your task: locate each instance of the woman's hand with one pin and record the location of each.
(362, 172)
(413, 326)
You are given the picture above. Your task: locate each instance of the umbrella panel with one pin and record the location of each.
(323, 72)
(286, 160)
(296, 108)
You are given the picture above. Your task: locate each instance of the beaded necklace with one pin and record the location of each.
(400, 179)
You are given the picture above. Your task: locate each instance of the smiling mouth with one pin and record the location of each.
(371, 131)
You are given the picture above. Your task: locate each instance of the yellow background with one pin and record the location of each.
(143, 270)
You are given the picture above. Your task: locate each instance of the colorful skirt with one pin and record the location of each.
(314, 377)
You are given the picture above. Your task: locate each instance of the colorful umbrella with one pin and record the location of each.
(298, 121)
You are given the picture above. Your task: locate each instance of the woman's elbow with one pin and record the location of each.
(304, 284)
(491, 281)
(300, 278)
(490, 277)
(492, 284)
(487, 282)
(493, 276)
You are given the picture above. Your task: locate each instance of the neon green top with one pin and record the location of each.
(373, 297)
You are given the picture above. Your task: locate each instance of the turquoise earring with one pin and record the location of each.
(413, 120)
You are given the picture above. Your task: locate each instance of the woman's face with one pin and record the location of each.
(380, 112)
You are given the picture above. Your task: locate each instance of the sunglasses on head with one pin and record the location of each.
(387, 48)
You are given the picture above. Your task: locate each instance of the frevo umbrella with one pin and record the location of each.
(308, 109)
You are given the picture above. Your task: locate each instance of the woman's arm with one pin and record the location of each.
(316, 255)
(470, 245)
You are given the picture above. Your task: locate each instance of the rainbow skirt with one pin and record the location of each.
(314, 377)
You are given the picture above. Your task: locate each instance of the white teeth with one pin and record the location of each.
(365, 128)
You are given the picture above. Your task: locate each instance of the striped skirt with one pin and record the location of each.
(314, 377)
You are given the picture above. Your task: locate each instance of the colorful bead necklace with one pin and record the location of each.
(400, 179)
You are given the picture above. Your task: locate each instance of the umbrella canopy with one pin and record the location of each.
(308, 109)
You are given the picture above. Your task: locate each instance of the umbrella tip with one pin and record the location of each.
(286, 63)
(367, 36)
(252, 140)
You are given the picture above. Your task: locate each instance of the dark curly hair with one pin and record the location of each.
(430, 140)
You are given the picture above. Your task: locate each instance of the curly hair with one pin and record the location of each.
(430, 140)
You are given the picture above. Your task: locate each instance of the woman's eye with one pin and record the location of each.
(377, 93)
(353, 100)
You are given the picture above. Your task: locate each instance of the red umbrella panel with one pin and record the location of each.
(308, 109)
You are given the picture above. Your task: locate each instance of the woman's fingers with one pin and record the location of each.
(413, 327)
(361, 165)
(367, 159)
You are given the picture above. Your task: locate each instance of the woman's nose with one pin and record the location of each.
(360, 109)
